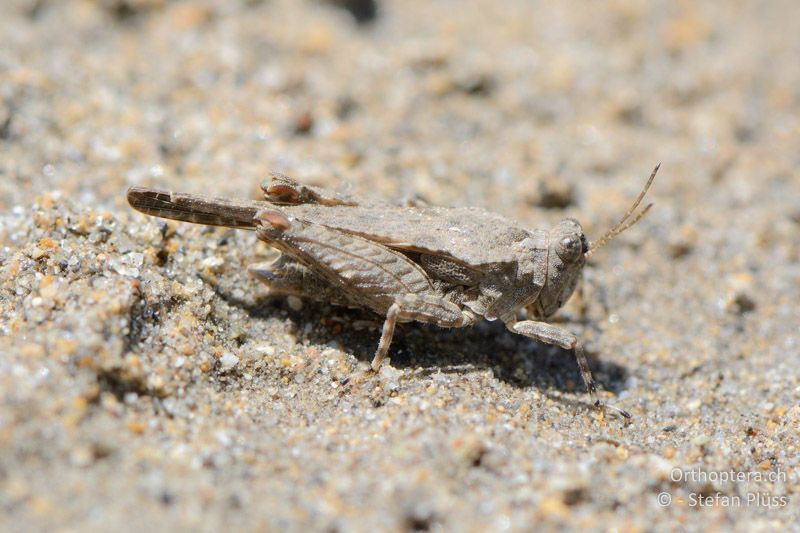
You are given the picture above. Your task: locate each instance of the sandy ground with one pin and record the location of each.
(147, 381)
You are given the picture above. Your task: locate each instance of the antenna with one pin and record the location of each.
(624, 223)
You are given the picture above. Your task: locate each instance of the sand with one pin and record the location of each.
(147, 381)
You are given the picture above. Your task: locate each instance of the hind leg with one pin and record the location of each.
(286, 276)
(283, 190)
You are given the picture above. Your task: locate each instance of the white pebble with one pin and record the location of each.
(295, 303)
(213, 262)
(265, 349)
(228, 361)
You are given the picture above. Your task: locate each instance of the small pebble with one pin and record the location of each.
(228, 361)
(295, 303)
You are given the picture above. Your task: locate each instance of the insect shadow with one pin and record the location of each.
(516, 360)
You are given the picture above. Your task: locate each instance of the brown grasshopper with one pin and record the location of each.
(447, 266)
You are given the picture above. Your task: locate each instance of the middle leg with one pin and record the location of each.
(421, 308)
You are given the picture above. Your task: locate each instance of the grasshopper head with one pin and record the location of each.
(568, 241)
(565, 260)
(568, 251)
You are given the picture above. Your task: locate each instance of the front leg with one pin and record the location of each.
(429, 308)
(544, 332)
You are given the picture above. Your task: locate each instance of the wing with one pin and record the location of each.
(468, 236)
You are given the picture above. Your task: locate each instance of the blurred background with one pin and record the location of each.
(145, 383)
(492, 103)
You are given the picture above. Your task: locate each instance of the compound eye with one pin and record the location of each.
(570, 248)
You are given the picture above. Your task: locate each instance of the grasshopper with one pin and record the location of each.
(447, 266)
